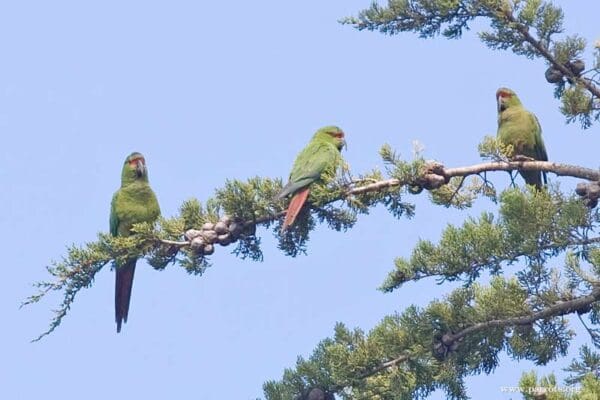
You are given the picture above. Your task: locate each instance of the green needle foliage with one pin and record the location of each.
(548, 388)
(531, 225)
(410, 354)
(251, 204)
(523, 269)
(531, 28)
(587, 364)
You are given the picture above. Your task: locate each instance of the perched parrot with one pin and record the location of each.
(321, 154)
(521, 129)
(133, 203)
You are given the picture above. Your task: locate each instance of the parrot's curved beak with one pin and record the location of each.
(344, 144)
(140, 168)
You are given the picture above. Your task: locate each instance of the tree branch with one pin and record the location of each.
(507, 258)
(544, 166)
(78, 269)
(579, 304)
(381, 367)
(543, 51)
(385, 365)
(433, 176)
(558, 309)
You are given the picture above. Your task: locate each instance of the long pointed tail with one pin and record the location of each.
(294, 208)
(123, 286)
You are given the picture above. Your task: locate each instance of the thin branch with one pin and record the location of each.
(511, 257)
(266, 218)
(375, 187)
(174, 242)
(543, 51)
(592, 332)
(379, 368)
(460, 185)
(385, 365)
(544, 166)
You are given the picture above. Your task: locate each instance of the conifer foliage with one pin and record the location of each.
(541, 247)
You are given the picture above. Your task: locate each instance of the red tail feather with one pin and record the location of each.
(123, 285)
(294, 208)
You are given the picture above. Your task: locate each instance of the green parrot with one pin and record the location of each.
(133, 203)
(521, 129)
(321, 154)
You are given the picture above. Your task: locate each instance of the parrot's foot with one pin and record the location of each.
(512, 178)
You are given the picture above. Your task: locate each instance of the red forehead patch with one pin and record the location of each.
(504, 94)
(134, 161)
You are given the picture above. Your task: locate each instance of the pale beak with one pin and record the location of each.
(140, 168)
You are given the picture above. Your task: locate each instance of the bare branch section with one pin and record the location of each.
(545, 166)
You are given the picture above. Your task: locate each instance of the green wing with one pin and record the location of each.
(540, 148)
(535, 149)
(310, 164)
(114, 218)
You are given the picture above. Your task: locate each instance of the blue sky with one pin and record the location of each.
(210, 91)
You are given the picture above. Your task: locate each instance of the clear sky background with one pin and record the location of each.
(216, 90)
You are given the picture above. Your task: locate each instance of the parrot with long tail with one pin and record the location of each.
(323, 153)
(133, 203)
(521, 129)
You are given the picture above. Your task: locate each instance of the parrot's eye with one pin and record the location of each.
(338, 135)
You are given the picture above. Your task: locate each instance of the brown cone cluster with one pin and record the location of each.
(443, 345)
(589, 192)
(316, 393)
(554, 75)
(433, 176)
